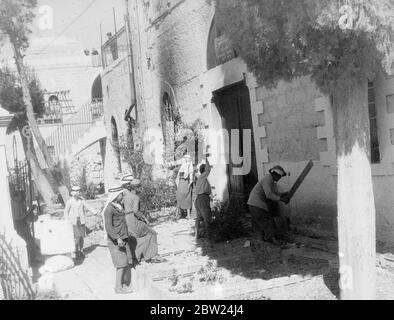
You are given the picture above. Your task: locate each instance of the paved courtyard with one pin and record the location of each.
(231, 270)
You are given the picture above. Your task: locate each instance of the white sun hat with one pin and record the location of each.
(127, 178)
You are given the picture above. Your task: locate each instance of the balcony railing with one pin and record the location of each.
(50, 116)
(115, 48)
(70, 131)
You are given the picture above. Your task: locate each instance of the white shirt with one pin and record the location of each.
(75, 208)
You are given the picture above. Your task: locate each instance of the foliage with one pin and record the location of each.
(281, 40)
(154, 194)
(134, 157)
(229, 221)
(90, 192)
(174, 278)
(15, 18)
(179, 286)
(209, 275)
(79, 177)
(11, 97)
(186, 138)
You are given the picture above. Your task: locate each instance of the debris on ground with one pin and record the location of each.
(56, 264)
(229, 270)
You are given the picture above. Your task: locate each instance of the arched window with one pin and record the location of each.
(97, 91)
(54, 108)
(53, 99)
(168, 124)
(220, 49)
(115, 142)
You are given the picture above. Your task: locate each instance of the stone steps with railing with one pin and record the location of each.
(94, 133)
(68, 133)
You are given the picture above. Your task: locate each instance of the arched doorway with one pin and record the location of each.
(233, 104)
(97, 99)
(97, 90)
(115, 143)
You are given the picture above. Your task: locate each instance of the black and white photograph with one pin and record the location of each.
(206, 151)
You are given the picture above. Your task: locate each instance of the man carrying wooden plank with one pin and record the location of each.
(263, 205)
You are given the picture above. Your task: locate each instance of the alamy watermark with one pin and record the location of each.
(221, 146)
(45, 17)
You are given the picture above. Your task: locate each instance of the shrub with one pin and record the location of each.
(154, 194)
(209, 275)
(90, 192)
(229, 221)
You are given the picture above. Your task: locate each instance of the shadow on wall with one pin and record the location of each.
(314, 220)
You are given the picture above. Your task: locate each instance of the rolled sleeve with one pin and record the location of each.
(269, 190)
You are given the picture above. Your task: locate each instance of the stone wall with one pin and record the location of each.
(91, 160)
(291, 124)
(291, 121)
(117, 99)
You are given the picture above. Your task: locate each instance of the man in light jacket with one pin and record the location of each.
(263, 202)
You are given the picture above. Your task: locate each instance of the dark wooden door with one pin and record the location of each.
(233, 104)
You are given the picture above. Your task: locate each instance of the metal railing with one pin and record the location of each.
(115, 48)
(73, 128)
(15, 283)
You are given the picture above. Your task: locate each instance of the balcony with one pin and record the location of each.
(97, 109)
(116, 48)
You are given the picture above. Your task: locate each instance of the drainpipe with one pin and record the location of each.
(131, 60)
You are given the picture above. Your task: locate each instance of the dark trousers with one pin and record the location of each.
(79, 233)
(203, 211)
(262, 221)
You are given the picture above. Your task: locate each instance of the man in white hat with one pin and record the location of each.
(143, 239)
(263, 205)
(184, 183)
(75, 212)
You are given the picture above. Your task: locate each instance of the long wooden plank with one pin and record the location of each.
(300, 178)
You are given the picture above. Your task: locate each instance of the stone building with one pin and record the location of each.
(183, 63)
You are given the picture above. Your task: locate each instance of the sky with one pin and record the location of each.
(77, 20)
(56, 49)
(73, 27)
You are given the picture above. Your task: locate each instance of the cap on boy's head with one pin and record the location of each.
(278, 170)
(115, 189)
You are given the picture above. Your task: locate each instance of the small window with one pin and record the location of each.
(373, 125)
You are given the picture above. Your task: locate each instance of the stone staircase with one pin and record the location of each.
(93, 134)
(68, 139)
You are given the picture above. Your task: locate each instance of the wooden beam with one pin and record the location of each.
(300, 178)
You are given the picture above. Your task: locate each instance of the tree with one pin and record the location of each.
(15, 19)
(11, 99)
(339, 45)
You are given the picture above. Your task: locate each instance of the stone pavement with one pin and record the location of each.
(195, 271)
